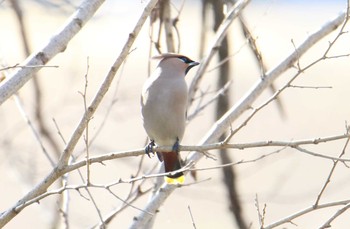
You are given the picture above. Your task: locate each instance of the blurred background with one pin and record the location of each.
(286, 181)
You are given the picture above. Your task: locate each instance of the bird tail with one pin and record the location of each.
(172, 163)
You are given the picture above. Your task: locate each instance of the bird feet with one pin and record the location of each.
(151, 144)
(149, 148)
(176, 146)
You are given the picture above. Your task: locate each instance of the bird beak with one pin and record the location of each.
(194, 63)
(191, 65)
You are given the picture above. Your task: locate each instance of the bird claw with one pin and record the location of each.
(149, 148)
(176, 146)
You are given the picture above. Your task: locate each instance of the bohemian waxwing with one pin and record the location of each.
(163, 107)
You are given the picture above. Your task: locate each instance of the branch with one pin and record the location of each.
(157, 199)
(336, 215)
(27, 66)
(213, 146)
(36, 134)
(335, 163)
(214, 98)
(305, 211)
(192, 219)
(168, 26)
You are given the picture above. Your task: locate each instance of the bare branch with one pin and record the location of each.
(293, 144)
(310, 87)
(168, 25)
(335, 162)
(126, 203)
(192, 219)
(312, 208)
(236, 163)
(260, 215)
(59, 131)
(86, 137)
(219, 145)
(320, 155)
(160, 196)
(28, 66)
(32, 128)
(131, 198)
(220, 92)
(327, 224)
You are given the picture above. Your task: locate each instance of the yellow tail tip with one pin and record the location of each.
(178, 180)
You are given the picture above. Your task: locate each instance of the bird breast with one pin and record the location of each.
(164, 103)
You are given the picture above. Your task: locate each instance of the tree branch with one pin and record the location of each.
(288, 219)
(327, 224)
(213, 146)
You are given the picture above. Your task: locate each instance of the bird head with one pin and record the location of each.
(175, 62)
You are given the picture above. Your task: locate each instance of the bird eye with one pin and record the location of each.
(185, 60)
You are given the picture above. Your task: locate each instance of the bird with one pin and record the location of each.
(163, 108)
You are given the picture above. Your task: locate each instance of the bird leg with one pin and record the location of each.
(149, 148)
(176, 146)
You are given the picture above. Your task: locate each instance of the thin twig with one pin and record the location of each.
(86, 137)
(207, 147)
(192, 219)
(312, 208)
(64, 208)
(20, 107)
(327, 224)
(130, 200)
(310, 87)
(261, 216)
(220, 92)
(236, 163)
(127, 203)
(132, 196)
(320, 155)
(259, 60)
(335, 163)
(59, 131)
(28, 66)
